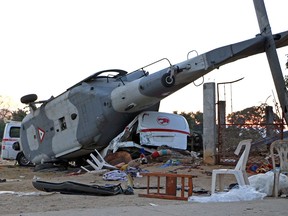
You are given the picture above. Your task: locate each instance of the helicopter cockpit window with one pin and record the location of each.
(62, 123)
(73, 116)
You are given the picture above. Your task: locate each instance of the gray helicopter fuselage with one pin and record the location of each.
(76, 122)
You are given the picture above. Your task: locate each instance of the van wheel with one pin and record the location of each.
(22, 160)
(29, 98)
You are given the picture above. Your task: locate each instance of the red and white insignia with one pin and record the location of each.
(163, 120)
(41, 134)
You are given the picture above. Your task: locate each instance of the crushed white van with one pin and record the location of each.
(152, 129)
(11, 137)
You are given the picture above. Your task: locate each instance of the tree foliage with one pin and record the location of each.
(249, 123)
(195, 120)
(253, 118)
(7, 114)
(18, 115)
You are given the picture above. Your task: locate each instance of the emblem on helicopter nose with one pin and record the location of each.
(41, 134)
(163, 120)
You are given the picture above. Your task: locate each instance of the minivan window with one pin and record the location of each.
(14, 132)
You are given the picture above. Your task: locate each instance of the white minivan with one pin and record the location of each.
(152, 129)
(11, 137)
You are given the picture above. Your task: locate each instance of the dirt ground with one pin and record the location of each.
(18, 195)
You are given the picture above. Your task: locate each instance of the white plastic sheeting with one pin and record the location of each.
(261, 185)
(263, 182)
(244, 193)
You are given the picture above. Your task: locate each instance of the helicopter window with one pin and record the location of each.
(62, 123)
(73, 116)
(114, 73)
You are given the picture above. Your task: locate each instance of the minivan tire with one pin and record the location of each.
(22, 160)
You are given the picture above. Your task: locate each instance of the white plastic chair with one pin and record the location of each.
(239, 171)
(281, 146)
(99, 163)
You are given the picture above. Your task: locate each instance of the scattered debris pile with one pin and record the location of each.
(119, 166)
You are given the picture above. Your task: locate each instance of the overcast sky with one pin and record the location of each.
(48, 46)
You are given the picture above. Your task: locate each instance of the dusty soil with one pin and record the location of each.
(28, 199)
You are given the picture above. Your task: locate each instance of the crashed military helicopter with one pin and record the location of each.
(88, 115)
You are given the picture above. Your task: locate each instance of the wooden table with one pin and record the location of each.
(170, 187)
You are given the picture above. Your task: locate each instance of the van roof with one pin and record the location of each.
(13, 123)
(151, 119)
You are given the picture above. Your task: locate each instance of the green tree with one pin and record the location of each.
(18, 115)
(249, 123)
(6, 114)
(2, 126)
(253, 118)
(195, 120)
